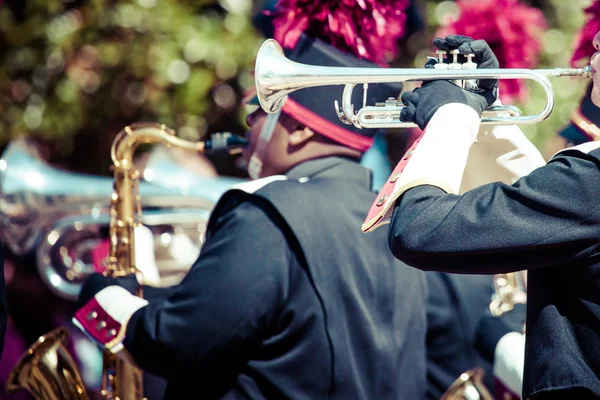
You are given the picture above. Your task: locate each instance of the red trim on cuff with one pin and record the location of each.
(98, 324)
(321, 125)
(375, 213)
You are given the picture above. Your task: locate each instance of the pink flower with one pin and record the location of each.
(510, 28)
(368, 29)
(583, 43)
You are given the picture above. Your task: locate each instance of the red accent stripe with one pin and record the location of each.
(320, 124)
(326, 128)
(375, 213)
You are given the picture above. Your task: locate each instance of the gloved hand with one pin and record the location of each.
(96, 282)
(491, 329)
(422, 103)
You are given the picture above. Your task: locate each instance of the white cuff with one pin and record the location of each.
(509, 361)
(441, 156)
(104, 318)
(437, 158)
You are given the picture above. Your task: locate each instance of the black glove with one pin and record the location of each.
(491, 329)
(422, 103)
(96, 282)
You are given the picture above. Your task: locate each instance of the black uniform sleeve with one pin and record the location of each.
(223, 307)
(548, 217)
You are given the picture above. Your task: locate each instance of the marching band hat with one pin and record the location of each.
(314, 107)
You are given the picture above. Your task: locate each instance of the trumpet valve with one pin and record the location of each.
(441, 64)
(390, 102)
(470, 83)
(456, 65)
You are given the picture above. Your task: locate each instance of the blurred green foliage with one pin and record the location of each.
(74, 73)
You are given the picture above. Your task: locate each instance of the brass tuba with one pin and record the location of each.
(120, 380)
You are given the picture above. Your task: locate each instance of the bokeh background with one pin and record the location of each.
(73, 73)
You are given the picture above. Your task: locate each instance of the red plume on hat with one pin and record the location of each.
(511, 29)
(368, 29)
(584, 47)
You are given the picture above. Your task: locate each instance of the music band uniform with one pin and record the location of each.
(454, 305)
(278, 304)
(546, 222)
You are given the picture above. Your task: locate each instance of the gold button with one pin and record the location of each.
(382, 200)
(408, 154)
(395, 177)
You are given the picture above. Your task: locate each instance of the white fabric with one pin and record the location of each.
(502, 154)
(583, 147)
(119, 303)
(440, 157)
(253, 186)
(509, 361)
(183, 249)
(144, 255)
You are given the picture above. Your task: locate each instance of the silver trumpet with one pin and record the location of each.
(63, 216)
(276, 77)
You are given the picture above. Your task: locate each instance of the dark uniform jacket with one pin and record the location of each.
(289, 299)
(548, 222)
(455, 304)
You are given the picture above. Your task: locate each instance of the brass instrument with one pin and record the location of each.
(120, 380)
(61, 216)
(276, 77)
(506, 288)
(47, 370)
(468, 386)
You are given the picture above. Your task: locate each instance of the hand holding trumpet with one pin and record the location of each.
(422, 103)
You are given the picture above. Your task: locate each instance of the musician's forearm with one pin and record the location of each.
(502, 228)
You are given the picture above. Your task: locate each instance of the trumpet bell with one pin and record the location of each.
(267, 73)
(48, 371)
(468, 386)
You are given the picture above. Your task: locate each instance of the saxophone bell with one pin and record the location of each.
(48, 371)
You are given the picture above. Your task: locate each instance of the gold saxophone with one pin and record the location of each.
(47, 370)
